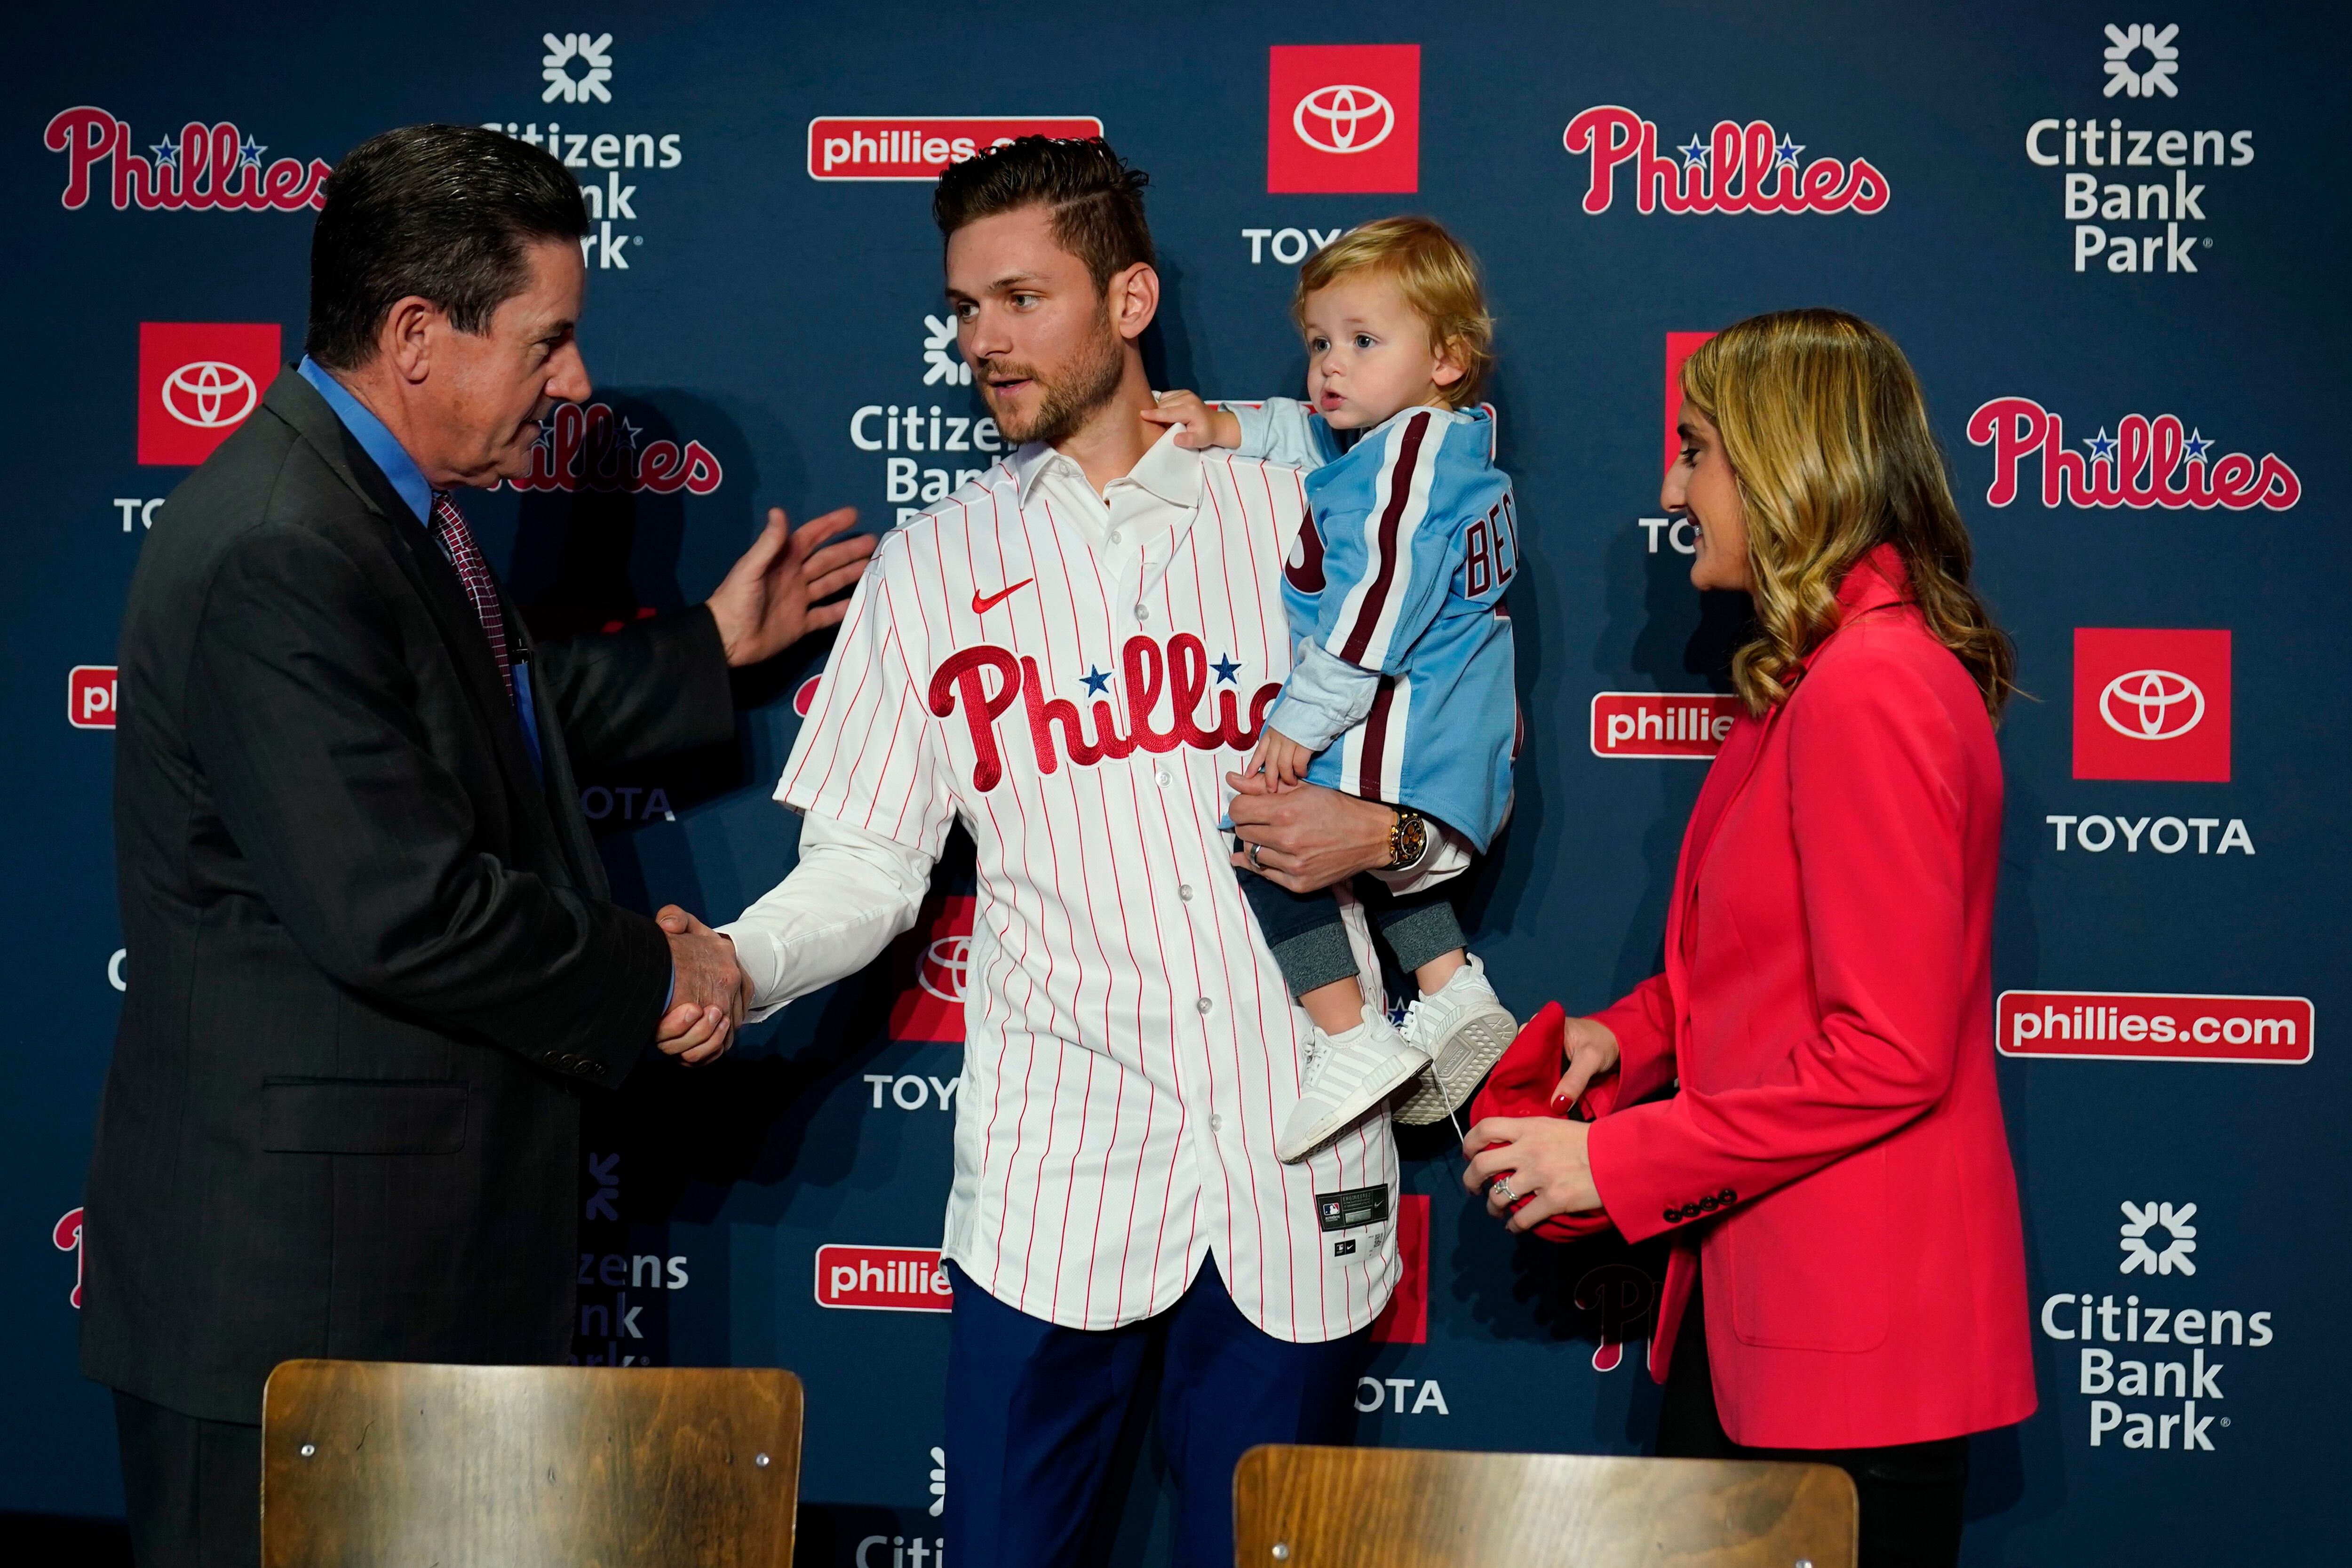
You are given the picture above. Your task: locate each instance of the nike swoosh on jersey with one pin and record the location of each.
(982, 603)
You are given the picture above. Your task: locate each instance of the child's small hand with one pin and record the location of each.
(1200, 425)
(1284, 760)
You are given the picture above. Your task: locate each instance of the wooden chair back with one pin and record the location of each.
(1298, 1507)
(396, 1464)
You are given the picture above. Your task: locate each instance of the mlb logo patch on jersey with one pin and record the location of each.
(1356, 1206)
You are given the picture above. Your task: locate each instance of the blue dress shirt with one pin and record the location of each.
(410, 482)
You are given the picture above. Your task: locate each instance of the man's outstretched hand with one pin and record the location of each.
(709, 995)
(771, 597)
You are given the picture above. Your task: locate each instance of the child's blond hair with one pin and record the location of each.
(1439, 278)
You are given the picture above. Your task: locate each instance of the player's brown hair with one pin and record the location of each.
(1439, 278)
(1094, 195)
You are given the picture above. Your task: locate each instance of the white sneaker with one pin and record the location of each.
(1465, 1029)
(1346, 1076)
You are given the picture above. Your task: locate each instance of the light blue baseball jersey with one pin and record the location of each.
(1403, 684)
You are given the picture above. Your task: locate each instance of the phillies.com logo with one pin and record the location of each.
(593, 448)
(209, 166)
(1181, 669)
(1738, 168)
(2148, 462)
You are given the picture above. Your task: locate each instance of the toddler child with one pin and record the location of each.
(1402, 689)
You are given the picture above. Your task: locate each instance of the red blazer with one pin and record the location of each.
(1836, 1160)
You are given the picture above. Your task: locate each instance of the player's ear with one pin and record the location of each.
(1133, 296)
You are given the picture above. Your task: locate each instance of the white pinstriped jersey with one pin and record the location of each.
(1074, 689)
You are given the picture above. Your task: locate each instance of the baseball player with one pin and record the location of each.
(1071, 656)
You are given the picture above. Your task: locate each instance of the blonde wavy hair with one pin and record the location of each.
(1827, 434)
(1438, 278)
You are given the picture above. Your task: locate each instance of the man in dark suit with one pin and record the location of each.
(375, 959)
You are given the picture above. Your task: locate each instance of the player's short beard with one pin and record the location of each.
(1068, 400)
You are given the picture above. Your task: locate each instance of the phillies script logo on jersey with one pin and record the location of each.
(198, 381)
(2122, 1026)
(1343, 117)
(1673, 725)
(882, 1278)
(593, 448)
(2146, 462)
(90, 697)
(920, 147)
(1749, 168)
(2152, 704)
(209, 166)
(982, 682)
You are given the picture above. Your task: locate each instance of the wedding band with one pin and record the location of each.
(1256, 864)
(1505, 1188)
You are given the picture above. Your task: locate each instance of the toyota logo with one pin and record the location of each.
(2163, 705)
(949, 958)
(1357, 118)
(209, 393)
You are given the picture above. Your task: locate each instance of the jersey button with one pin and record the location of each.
(1114, 536)
(1184, 891)
(1202, 1006)
(1142, 614)
(1159, 777)
(1216, 1123)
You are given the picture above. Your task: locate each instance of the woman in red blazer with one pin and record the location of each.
(1847, 1282)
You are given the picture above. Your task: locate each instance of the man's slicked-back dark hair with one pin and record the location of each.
(443, 212)
(1094, 195)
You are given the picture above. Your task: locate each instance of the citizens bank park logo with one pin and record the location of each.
(1735, 168)
(1343, 117)
(2146, 462)
(210, 167)
(920, 147)
(90, 697)
(198, 381)
(2162, 1353)
(2140, 61)
(578, 69)
(2114, 1026)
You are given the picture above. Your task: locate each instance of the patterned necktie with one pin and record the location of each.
(457, 541)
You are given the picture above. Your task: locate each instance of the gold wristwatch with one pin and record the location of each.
(1408, 839)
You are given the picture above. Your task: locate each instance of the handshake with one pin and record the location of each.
(709, 993)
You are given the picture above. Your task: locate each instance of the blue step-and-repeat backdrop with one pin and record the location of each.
(2110, 244)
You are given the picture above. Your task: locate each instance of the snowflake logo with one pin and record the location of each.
(596, 55)
(938, 1482)
(2141, 1256)
(941, 363)
(2123, 43)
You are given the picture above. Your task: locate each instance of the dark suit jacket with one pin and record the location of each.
(372, 959)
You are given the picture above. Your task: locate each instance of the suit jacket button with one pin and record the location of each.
(1674, 1216)
(1709, 1205)
(1728, 1196)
